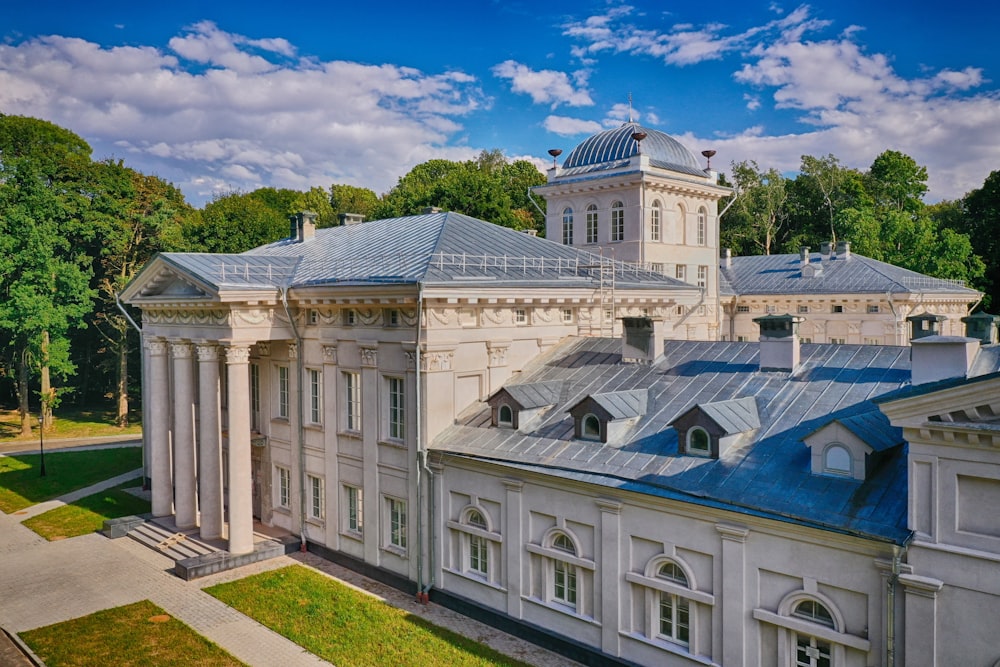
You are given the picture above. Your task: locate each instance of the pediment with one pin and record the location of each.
(161, 281)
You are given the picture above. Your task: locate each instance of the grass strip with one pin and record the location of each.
(70, 422)
(22, 486)
(136, 635)
(347, 627)
(88, 514)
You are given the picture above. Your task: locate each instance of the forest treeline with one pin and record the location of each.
(74, 231)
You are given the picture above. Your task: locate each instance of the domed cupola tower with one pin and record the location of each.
(639, 195)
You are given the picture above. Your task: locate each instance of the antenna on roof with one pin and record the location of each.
(708, 156)
(555, 152)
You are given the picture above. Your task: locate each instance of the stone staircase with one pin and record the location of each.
(174, 545)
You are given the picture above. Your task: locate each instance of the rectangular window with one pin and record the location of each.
(352, 403)
(397, 413)
(873, 308)
(313, 316)
(803, 309)
(564, 589)
(617, 222)
(608, 315)
(656, 267)
(741, 339)
(397, 522)
(838, 341)
(742, 309)
(284, 486)
(567, 315)
(478, 555)
(255, 397)
(770, 310)
(836, 309)
(567, 227)
(350, 317)
(315, 396)
(654, 222)
(315, 497)
(873, 341)
(703, 277)
(392, 317)
(355, 509)
(520, 316)
(679, 310)
(805, 340)
(283, 392)
(681, 272)
(591, 224)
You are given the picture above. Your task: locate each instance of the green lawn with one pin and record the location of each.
(87, 515)
(21, 486)
(70, 422)
(130, 636)
(346, 627)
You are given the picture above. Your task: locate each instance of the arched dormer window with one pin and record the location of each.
(567, 226)
(698, 441)
(591, 223)
(655, 222)
(702, 233)
(617, 221)
(505, 416)
(590, 427)
(837, 460)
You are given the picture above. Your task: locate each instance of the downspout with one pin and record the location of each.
(890, 612)
(299, 415)
(142, 387)
(535, 204)
(423, 590)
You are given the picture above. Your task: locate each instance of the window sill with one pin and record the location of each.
(399, 444)
(355, 535)
(278, 509)
(357, 435)
(477, 578)
(313, 521)
(312, 426)
(669, 646)
(562, 609)
(394, 550)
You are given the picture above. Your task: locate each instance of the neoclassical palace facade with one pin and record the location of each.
(538, 435)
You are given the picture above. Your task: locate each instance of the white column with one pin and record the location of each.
(240, 471)
(734, 593)
(185, 475)
(209, 441)
(513, 545)
(610, 583)
(920, 635)
(158, 428)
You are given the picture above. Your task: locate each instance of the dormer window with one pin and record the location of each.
(850, 447)
(837, 460)
(505, 416)
(607, 417)
(591, 427)
(699, 442)
(521, 406)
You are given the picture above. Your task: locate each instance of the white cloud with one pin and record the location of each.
(546, 86)
(219, 111)
(565, 126)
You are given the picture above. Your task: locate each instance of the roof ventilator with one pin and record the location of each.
(779, 342)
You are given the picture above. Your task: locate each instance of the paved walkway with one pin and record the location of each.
(50, 582)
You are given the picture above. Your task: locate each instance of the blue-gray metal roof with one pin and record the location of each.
(535, 395)
(770, 476)
(738, 415)
(874, 429)
(782, 274)
(611, 149)
(622, 404)
(437, 248)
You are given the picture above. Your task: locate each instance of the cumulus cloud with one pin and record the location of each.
(218, 111)
(546, 86)
(565, 126)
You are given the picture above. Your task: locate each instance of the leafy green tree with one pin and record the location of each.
(352, 199)
(317, 200)
(980, 221)
(896, 182)
(234, 223)
(756, 220)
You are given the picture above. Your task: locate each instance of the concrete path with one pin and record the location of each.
(73, 496)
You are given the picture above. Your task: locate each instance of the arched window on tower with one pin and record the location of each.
(702, 225)
(592, 224)
(567, 226)
(617, 221)
(654, 222)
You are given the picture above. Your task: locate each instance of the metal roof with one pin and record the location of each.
(769, 476)
(738, 415)
(534, 395)
(436, 248)
(613, 148)
(782, 274)
(622, 404)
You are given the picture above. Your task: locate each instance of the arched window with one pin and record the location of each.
(617, 221)
(698, 441)
(670, 604)
(837, 460)
(476, 548)
(654, 222)
(592, 224)
(505, 416)
(812, 651)
(591, 427)
(567, 226)
(479, 558)
(674, 610)
(702, 225)
(564, 588)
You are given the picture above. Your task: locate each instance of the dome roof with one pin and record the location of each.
(611, 148)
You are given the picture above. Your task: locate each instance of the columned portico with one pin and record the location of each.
(185, 475)
(240, 472)
(210, 445)
(158, 386)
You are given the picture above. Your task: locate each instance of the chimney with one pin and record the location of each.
(531, 232)
(934, 358)
(727, 258)
(824, 249)
(351, 218)
(303, 226)
(843, 250)
(924, 325)
(779, 342)
(804, 256)
(981, 326)
(427, 210)
(642, 339)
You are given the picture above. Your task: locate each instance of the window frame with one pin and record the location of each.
(396, 537)
(655, 222)
(315, 381)
(395, 414)
(284, 388)
(833, 470)
(317, 497)
(352, 401)
(255, 420)
(283, 488)
(689, 438)
(702, 277)
(354, 507)
(567, 226)
(592, 224)
(617, 221)
(585, 434)
(702, 229)
(680, 272)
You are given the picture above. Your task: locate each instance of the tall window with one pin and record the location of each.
(811, 651)
(352, 400)
(284, 486)
(591, 224)
(255, 397)
(681, 272)
(702, 225)
(654, 222)
(478, 545)
(315, 497)
(283, 392)
(355, 509)
(617, 221)
(675, 620)
(397, 413)
(567, 226)
(702, 276)
(564, 574)
(397, 522)
(315, 396)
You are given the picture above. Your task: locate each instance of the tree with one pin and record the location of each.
(896, 182)
(352, 199)
(759, 215)
(980, 221)
(234, 223)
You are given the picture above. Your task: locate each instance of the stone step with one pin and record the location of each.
(176, 546)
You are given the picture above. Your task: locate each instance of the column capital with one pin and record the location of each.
(921, 586)
(732, 532)
(207, 351)
(180, 349)
(369, 353)
(609, 506)
(512, 485)
(293, 351)
(237, 354)
(157, 346)
(330, 354)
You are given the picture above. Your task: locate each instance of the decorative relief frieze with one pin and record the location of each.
(254, 317)
(408, 316)
(494, 316)
(200, 317)
(443, 316)
(368, 316)
(293, 351)
(437, 361)
(541, 315)
(263, 349)
(329, 354)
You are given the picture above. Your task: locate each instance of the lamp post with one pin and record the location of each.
(41, 436)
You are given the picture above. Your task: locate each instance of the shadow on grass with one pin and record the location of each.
(21, 484)
(69, 423)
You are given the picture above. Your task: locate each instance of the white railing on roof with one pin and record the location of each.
(563, 266)
(253, 273)
(928, 282)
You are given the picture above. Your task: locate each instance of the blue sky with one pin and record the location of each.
(226, 96)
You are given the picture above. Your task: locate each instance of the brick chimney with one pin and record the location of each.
(303, 226)
(779, 342)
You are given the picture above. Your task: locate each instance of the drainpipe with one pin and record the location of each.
(423, 590)
(890, 612)
(142, 387)
(300, 414)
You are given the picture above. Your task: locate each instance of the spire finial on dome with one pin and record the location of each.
(630, 106)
